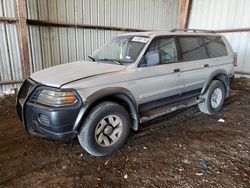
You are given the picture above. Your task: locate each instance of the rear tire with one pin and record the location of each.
(214, 98)
(105, 129)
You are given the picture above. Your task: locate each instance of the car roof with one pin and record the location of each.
(152, 34)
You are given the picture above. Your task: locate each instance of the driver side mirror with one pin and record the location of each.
(152, 58)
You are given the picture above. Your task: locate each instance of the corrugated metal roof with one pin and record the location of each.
(225, 14)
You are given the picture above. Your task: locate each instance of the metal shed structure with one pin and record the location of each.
(36, 34)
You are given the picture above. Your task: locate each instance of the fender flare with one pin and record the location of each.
(221, 75)
(115, 94)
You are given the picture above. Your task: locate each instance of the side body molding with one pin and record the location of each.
(115, 94)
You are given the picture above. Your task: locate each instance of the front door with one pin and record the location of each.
(158, 73)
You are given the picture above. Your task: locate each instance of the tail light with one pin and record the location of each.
(235, 62)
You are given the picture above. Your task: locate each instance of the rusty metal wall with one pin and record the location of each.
(225, 14)
(10, 60)
(51, 46)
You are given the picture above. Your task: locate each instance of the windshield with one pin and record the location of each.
(122, 49)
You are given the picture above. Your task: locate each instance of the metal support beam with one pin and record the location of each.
(242, 72)
(7, 20)
(82, 26)
(183, 13)
(11, 82)
(233, 30)
(23, 36)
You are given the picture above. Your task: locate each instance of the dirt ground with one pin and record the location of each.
(182, 149)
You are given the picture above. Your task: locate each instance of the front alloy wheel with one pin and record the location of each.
(108, 130)
(105, 129)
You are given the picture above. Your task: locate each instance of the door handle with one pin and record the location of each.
(206, 65)
(176, 70)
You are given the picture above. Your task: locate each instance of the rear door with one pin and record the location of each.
(218, 53)
(159, 71)
(195, 62)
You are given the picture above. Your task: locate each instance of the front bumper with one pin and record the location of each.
(46, 121)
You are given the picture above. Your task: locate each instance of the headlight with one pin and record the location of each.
(56, 98)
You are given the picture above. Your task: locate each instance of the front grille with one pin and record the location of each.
(27, 86)
(25, 90)
(34, 96)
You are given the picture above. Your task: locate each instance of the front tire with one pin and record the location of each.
(105, 129)
(213, 98)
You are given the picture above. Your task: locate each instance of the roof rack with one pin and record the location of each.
(193, 30)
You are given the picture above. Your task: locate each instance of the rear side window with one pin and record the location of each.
(215, 46)
(192, 48)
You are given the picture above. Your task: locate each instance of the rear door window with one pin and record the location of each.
(192, 48)
(215, 46)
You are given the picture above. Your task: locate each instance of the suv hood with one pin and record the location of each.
(65, 73)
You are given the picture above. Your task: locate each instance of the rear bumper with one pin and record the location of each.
(46, 121)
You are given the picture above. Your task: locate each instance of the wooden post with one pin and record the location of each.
(23, 36)
(183, 13)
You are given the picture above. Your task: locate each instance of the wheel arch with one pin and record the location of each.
(220, 75)
(119, 95)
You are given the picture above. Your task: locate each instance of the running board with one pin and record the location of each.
(163, 110)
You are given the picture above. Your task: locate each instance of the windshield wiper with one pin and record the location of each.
(90, 57)
(113, 60)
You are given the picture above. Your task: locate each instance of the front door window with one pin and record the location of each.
(160, 51)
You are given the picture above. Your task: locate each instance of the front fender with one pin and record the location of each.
(116, 94)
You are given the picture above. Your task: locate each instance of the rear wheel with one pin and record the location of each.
(214, 98)
(105, 129)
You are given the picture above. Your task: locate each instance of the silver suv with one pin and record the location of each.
(132, 79)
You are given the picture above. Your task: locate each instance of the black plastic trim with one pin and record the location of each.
(107, 94)
(168, 100)
(60, 119)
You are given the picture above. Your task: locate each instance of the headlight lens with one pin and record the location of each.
(56, 98)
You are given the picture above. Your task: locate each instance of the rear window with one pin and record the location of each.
(215, 46)
(192, 48)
